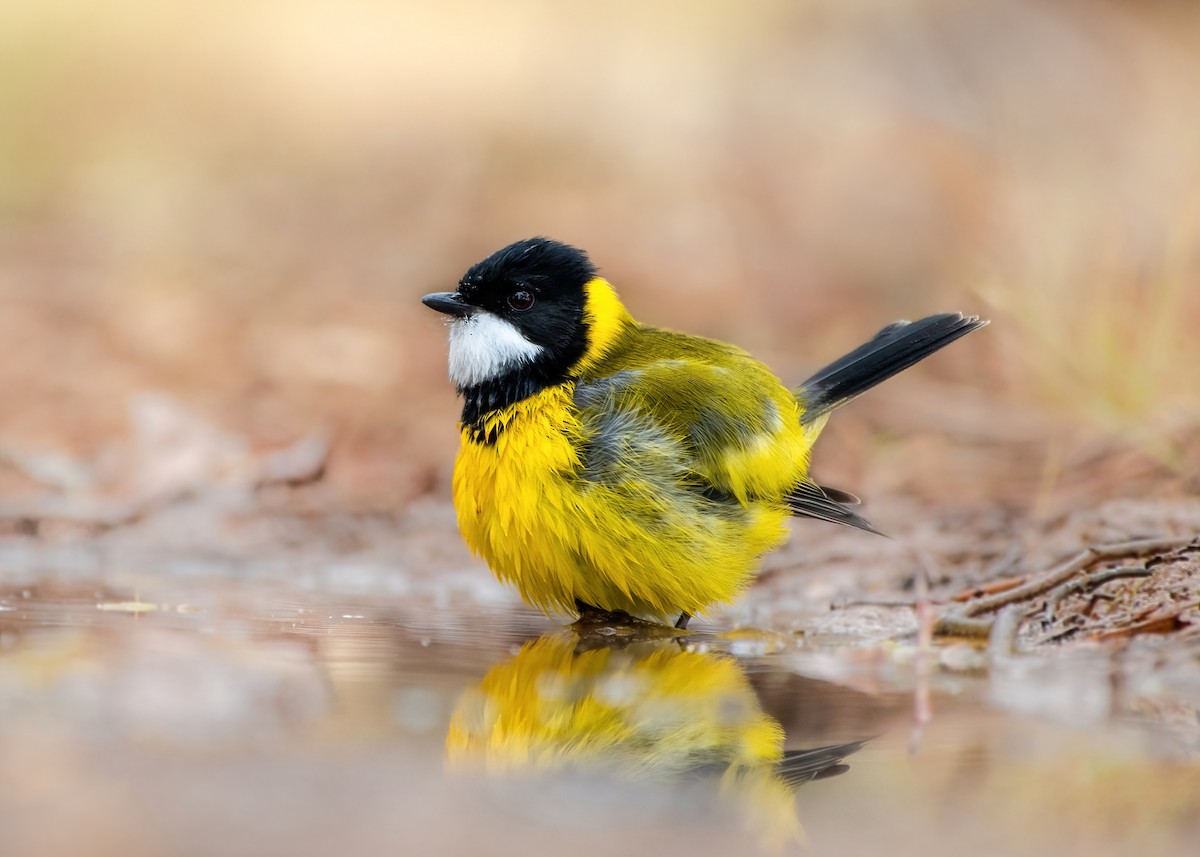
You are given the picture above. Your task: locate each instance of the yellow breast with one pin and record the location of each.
(499, 488)
(523, 506)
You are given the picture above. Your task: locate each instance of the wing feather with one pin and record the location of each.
(733, 427)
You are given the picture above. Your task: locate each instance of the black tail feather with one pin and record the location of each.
(891, 350)
(810, 500)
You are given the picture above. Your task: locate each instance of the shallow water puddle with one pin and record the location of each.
(245, 718)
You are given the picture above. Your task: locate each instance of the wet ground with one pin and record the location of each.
(179, 696)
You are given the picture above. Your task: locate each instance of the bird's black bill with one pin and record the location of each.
(451, 303)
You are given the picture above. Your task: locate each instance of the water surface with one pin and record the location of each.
(191, 715)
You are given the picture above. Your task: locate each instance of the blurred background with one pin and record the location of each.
(217, 220)
(239, 203)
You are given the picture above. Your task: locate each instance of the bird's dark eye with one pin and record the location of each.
(521, 300)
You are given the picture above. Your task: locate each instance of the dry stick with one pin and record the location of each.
(966, 623)
(1051, 637)
(1151, 623)
(1002, 641)
(957, 625)
(1071, 567)
(922, 698)
(992, 587)
(877, 602)
(1092, 581)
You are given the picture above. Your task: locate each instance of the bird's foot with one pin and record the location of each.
(595, 617)
(591, 615)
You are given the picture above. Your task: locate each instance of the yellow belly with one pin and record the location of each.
(525, 508)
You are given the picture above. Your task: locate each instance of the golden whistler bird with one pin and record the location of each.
(611, 466)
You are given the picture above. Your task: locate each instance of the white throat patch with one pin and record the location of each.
(484, 346)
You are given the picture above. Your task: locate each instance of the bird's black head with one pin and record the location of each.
(518, 322)
(537, 285)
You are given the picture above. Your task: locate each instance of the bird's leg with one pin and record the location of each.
(681, 622)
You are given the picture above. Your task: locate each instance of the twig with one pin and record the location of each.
(876, 602)
(1002, 642)
(1071, 567)
(1158, 622)
(956, 625)
(922, 698)
(1092, 581)
(992, 587)
(1055, 636)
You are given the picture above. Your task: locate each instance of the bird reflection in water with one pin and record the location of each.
(649, 710)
